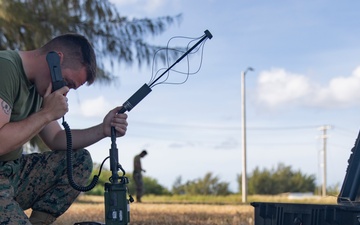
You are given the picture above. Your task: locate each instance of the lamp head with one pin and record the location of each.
(249, 69)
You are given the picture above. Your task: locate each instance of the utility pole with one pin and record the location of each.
(324, 138)
(243, 123)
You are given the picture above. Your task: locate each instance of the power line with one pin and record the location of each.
(284, 128)
(201, 138)
(254, 128)
(276, 144)
(223, 127)
(346, 130)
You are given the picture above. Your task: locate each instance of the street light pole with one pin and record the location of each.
(324, 137)
(243, 123)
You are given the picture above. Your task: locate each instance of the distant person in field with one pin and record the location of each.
(137, 175)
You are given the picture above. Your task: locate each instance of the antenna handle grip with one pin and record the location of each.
(135, 98)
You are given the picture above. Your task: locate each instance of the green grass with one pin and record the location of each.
(234, 199)
(179, 210)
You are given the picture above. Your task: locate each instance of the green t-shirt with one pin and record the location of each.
(17, 91)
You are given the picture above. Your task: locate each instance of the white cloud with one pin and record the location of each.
(94, 107)
(277, 88)
(344, 90)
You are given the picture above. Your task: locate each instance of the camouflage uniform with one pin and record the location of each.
(40, 182)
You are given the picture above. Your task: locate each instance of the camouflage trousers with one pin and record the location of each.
(39, 181)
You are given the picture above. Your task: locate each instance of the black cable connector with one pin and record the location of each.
(135, 98)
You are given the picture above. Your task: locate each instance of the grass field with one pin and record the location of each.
(179, 210)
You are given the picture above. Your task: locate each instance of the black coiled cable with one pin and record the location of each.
(70, 166)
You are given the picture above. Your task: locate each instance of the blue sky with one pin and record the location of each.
(307, 75)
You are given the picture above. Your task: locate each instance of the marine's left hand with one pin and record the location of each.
(118, 121)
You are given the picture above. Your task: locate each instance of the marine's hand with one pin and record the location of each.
(55, 104)
(118, 121)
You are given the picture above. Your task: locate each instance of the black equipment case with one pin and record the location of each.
(345, 212)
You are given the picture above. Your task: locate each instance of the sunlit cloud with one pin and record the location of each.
(94, 107)
(279, 88)
(342, 90)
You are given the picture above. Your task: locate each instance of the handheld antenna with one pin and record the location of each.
(117, 209)
(205, 36)
(134, 100)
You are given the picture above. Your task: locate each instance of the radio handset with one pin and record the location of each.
(53, 61)
(58, 82)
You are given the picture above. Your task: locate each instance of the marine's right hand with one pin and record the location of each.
(55, 103)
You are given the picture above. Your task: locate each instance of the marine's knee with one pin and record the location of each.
(41, 218)
(83, 162)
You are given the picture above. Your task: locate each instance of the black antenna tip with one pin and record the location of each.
(208, 34)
